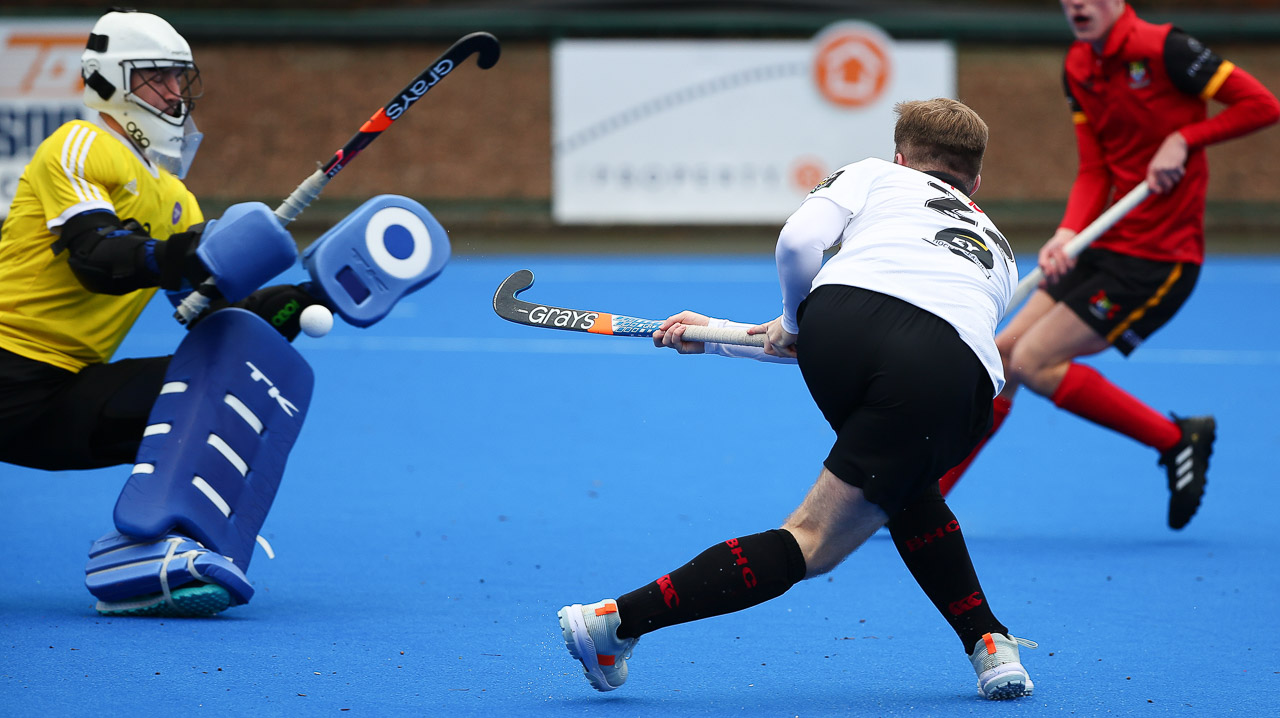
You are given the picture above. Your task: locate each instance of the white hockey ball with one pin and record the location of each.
(316, 320)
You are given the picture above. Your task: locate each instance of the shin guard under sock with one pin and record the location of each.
(730, 576)
(1087, 394)
(929, 540)
(1000, 407)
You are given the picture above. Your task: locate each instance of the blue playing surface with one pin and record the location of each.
(460, 478)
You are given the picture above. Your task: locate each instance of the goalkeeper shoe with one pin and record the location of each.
(591, 634)
(173, 577)
(1000, 673)
(196, 601)
(1188, 463)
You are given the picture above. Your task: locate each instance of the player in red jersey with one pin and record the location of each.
(1138, 94)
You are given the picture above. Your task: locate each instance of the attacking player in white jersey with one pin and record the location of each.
(895, 338)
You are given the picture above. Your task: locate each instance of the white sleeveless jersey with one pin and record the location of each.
(909, 235)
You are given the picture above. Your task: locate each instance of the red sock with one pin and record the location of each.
(1000, 407)
(1087, 394)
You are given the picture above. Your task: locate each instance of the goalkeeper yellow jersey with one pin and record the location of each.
(45, 313)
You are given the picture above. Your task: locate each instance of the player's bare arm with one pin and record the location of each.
(1054, 259)
(1169, 164)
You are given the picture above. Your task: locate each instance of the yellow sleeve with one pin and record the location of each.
(197, 215)
(73, 171)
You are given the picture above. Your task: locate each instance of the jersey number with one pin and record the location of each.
(955, 208)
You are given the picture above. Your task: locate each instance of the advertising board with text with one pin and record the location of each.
(725, 131)
(40, 89)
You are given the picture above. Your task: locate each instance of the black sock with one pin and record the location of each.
(929, 540)
(727, 577)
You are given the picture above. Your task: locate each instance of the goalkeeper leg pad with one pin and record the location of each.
(218, 436)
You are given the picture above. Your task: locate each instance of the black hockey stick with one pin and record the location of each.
(482, 44)
(519, 311)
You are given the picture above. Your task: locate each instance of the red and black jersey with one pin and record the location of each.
(1148, 82)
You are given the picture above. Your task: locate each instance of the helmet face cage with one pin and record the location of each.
(138, 71)
(175, 84)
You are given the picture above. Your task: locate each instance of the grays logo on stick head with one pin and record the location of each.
(139, 71)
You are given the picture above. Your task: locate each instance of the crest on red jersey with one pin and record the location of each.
(1138, 75)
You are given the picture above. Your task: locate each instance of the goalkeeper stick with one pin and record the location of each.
(1078, 243)
(519, 311)
(482, 44)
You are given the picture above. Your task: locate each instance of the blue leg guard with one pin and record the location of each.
(210, 462)
(389, 247)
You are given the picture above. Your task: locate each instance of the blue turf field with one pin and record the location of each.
(460, 478)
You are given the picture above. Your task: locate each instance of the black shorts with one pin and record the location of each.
(55, 419)
(907, 398)
(1124, 299)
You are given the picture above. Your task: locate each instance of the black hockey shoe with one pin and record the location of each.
(1187, 463)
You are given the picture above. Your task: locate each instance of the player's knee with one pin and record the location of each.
(1021, 365)
(1037, 375)
(1006, 345)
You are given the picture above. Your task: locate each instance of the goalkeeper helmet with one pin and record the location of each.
(138, 70)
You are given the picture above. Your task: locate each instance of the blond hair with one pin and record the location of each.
(941, 134)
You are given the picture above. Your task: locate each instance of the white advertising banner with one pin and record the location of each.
(725, 131)
(40, 88)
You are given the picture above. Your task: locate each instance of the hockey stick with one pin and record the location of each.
(1080, 242)
(482, 44)
(519, 311)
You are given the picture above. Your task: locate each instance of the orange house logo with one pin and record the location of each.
(852, 64)
(806, 172)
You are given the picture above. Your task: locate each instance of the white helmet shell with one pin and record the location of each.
(120, 45)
